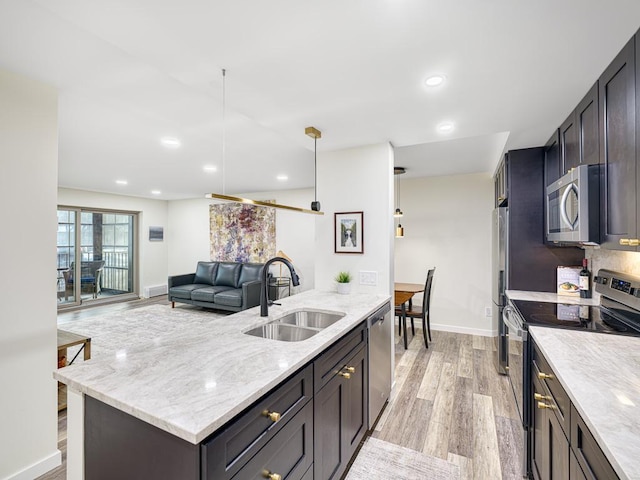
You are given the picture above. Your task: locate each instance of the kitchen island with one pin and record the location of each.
(189, 382)
(601, 376)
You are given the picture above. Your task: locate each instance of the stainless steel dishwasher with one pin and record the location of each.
(380, 330)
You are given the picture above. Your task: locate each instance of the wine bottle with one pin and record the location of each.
(585, 280)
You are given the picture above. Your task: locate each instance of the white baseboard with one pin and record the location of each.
(469, 331)
(155, 290)
(39, 468)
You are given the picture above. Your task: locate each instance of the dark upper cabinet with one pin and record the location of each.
(552, 164)
(588, 132)
(617, 105)
(569, 149)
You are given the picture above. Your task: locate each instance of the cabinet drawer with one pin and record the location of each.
(591, 459)
(559, 401)
(333, 360)
(289, 454)
(224, 454)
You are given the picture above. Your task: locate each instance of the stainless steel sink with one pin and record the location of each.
(282, 332)
(310, 319)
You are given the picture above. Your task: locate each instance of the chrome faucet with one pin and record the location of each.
(264, 287)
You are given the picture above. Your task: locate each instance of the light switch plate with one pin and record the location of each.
(368, 278)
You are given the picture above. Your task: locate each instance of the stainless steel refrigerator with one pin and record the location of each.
(500, 239)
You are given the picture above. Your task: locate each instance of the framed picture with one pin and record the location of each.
(156, 234)
(348, 232)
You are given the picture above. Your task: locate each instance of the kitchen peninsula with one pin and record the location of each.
(185, 384)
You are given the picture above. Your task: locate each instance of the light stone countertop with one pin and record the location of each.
(549, 297)
(193, 372)
(601, 374)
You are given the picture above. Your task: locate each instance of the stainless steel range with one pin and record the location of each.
(618, 314)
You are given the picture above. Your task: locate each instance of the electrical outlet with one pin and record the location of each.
(369, 278)
(487, 311)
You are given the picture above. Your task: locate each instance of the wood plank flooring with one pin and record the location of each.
(448, 402)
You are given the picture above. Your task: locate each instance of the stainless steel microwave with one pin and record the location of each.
(573, 207)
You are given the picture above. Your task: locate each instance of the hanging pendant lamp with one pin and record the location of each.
(397, 171)
(315, 134)
(230, 198)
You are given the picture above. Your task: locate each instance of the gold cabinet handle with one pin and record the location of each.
(540, 397)
(345, 375)
(634, 242)
(273, 416)
(624, 241)
(271, 475)
(351, 369)
(545, 376)
(546, 405)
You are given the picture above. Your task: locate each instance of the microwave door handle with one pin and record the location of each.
(563, 206)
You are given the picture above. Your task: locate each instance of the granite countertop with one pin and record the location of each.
(549, 297)
(601, 374)
(191, 372)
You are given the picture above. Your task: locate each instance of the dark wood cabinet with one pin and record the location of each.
(340, 415)
(569, 147)
(591, 460)
(617, 105)
(549, 441)
(588, 128)
(561, 445)
(552, 164)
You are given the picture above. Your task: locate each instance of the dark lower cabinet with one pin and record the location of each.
(562, 447)
(340, 417)
(549, 446)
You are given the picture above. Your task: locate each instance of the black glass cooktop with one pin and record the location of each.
(610, 318)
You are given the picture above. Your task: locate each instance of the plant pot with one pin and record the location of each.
(344, 288)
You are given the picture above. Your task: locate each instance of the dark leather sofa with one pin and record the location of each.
(221, 285)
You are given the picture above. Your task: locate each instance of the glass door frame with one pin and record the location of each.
(77, 287)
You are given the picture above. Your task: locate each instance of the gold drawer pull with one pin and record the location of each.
(271, 475)
(634, 242)
(345, 375)
(273, 416)
(545, 376)
(351, 369)
(539, 397)
(546, 405)
(625, 241)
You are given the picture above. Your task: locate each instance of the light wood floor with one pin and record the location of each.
(448, 402)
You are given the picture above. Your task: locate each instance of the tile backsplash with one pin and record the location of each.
(626, 262)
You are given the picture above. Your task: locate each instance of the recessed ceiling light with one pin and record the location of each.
(210, 168)
(156, 192)
(170, 142)
(121, 182)
(435, 80)
(282, 178)
(446, 127)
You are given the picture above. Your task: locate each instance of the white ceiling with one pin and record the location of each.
(130, 72)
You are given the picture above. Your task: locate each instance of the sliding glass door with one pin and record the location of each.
(96, 255)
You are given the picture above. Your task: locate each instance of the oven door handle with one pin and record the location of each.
(512, 320)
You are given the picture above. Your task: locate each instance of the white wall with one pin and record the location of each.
(29, 159)
(357, 179)
(153, 256)
(447, 222)
(188, 232)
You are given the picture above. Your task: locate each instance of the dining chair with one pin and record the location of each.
(423, 310)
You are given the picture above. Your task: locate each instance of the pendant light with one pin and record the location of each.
(315, 206)
(397, 171)
(315, 134)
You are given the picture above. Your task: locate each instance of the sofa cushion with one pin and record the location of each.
(250, 272)
(207, 293)
(184, 291)
(231, 298)
(228, 274)
(206, 272)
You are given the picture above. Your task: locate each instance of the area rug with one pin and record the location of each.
(378, 459)
(112, 331)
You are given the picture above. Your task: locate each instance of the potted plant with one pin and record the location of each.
(344, 282)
